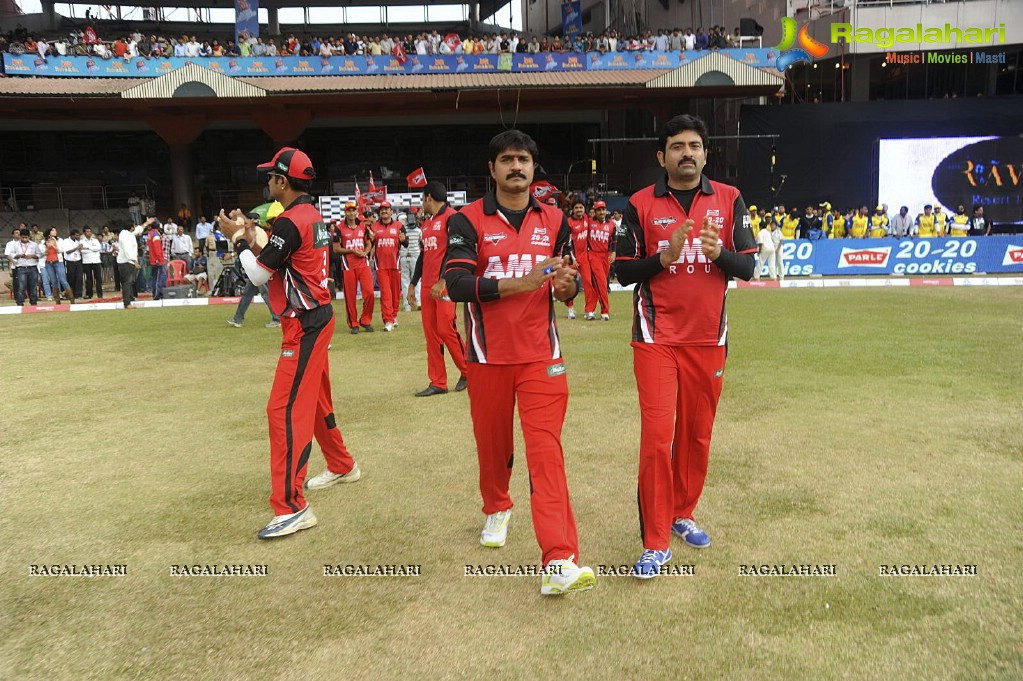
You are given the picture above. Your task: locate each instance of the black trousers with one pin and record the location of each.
(93, 279)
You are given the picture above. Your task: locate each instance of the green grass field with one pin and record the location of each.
(857, 428)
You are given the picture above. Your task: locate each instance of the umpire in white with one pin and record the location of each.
(409, 254)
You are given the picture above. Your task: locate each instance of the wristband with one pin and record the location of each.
(241, 246)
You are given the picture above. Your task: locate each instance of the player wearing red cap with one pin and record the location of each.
(579, 223)
(388, 236)
(680, 328)
(294, 263)
(601, 246)
(353, 241)
(508, 258)
(439, 323)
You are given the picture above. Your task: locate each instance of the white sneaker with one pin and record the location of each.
(495, 530)
(565, 576)
(590, 316)
(326, 478)
(571, 313)
(388, 326)
(605, 317)
(272, 324)
(283, 525)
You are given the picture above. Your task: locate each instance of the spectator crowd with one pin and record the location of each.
(86, 43)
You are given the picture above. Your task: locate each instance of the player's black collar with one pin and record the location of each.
(304, 198)
(661, 188)
(490, 203)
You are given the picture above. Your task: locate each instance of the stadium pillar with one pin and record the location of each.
(860, 77)
(283, 125)
(273, 22)
(49, 11)
(179, 131)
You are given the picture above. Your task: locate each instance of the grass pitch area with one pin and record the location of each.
(858, 429)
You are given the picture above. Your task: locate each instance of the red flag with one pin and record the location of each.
(543, 190)
(453, 42)
(417, 178)
(90, 35)
(360, 200)
(399, 53)
(375, 196)
(371, 185)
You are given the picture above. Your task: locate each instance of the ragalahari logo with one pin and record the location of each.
(1013, 256)
(865, 257)
(808, 49)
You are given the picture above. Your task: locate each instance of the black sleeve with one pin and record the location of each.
(284, 240)
(563, 245)
(459, 268)
(739, 263)
(631, 264)
(418, 273)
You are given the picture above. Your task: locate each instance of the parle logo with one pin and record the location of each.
(865, 257)
(808, 49)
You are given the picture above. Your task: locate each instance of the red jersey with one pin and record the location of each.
(387, 244)
(297, 255)
(519, 329)
(601, 236)
(154, 242)
(434, 245)
(685, 303)
(580, 234)
(352, 237)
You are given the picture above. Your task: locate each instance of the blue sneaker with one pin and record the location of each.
(691, 533)
(649, 564)
(283, 525)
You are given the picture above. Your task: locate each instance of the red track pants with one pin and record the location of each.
(440, 330)
(390, 293)
(678, 389)
(542, 393)
(596, 283)
(364, 278)
(583, 263)
(301, 407)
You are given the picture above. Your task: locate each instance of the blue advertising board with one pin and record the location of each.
(138, 67)
(934, 257)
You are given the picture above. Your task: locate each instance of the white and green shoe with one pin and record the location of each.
(563, 576)
(495, 529)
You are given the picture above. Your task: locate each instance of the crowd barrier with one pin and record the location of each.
(934, 257)
(138, 67)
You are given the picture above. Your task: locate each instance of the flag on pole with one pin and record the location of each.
(417, 178)
(399, 53)
(543, 190)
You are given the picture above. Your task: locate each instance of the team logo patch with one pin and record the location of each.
(664, 222)
(556, 369)
(287, 353)
(494, 238)
(455, 240)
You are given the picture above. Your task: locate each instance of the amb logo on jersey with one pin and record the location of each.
(664, 222)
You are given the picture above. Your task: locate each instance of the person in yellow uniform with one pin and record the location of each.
(959, 225)
(940, 220)
(878, 223)
(789, 224)
(926, 224)
(860, 222)
(754, 220)
(837, 225)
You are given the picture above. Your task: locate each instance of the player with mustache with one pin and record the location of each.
(680, 329)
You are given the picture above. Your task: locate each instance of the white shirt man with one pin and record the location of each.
(422, 46)
(661, 42)
(765, 242)
(181, 246)
(170, 228)
(128, 261)
(689, 41)
(202, 230)
(435, 41)
(90, 250)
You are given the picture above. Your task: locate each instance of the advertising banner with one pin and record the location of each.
(932, 257)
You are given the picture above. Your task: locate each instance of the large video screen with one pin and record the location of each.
(972, 171)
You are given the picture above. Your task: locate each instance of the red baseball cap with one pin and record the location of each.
(351, 204)
(385, 204)
(292, 163)
(599, 204)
